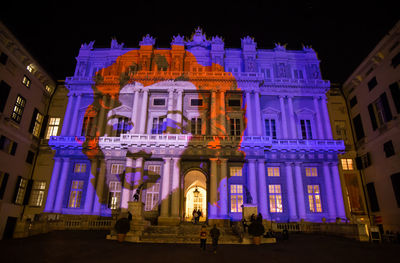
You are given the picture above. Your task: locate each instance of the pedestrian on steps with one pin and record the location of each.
(214, 233)
(203, 238)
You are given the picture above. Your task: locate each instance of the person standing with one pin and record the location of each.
(203, 238)
(214, 233)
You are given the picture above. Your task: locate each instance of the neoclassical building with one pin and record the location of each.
(197, 126)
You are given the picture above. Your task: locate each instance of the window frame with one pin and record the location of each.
(37, 193)
(237, 197)
(52, 127)
(18, 109)
(314, 207)
(275, 198)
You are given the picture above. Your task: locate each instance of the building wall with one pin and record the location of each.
(369, 94)
(13, 70)
(111, 85)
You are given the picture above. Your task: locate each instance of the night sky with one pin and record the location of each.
(341, 34)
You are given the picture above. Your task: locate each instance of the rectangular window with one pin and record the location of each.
(347, 164)
(311, 172)
(159, 102)
(267, 73)
(3, 183)
(80, 168)
(270, 128)
(117, 168)
(273, 171)
(314, 198)
(357, 123)
(388, 149)
(298, 74)
(353, 102)
(235, 127)
(396, 60)
(114, 195)
(26, 81)
(18, 110)
(373, 199)
(154, 169)
(152, 197)
(3, 58)
(157, 127)
(379, 111)
(75, 195)
(236, 171)
(195, 126)
(36, 123)
(29, 68)
(340, 129)
(8, 145)
(87, 126)
(275, 198)
(363, 161)
(196, 102)
(306, 132)
(52, 129)
(29, 157)
(396, 186)
(37, 194)
(123, 126)
(372, 83)
(236, 198)
(234, 103)
(4, 92)
(49, 89)
(22, 183)
(395, 92)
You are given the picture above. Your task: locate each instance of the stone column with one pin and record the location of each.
(249, 115)
(127, 184)
(102, 117)
(262, 190)
(223, 190)
(327, 122)
(67, 116)
(291, 193)
(283, 117)
(90, 190)
(99, 197)
(143, 113)
(179, 111)
(222, 117)
(135, 109)
(329, 193)
(165, 189)
(340, 211)
(213, 113)
(109, 127)
(175, 191)
(258, 117)
(74, 121)
(212, 210)
(51, 195)
(252, 180)
(170, 115)
(293, 132)
(61, 186)
(138, 175)
(320, 128)
(300, 191)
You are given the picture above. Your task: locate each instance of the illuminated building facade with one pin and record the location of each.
(373, 97)
(240, 126)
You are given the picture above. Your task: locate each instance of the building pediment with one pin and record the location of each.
(305, 111)
(271, 111)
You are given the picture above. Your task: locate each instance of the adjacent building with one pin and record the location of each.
(372, 93)
(25, 91)
(196, 126)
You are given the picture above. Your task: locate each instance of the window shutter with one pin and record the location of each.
(16, 188)
(32, 125)
(4, 92)
(359, 163)
(373, 199)
(372, 116)
(386, 107)
(3, 185)
(28, 192)
(13, 148)
(395, 91)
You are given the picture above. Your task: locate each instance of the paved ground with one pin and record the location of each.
(84, 246)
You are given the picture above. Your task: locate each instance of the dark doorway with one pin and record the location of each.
(10, 226)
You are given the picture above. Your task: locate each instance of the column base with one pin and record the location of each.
(169, 221)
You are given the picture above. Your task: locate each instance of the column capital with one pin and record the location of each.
(281, 97)
(316, 97)
(251, 160)
(214, 159)
(290, 97)
(261, 161)
(223, 160)
(179, 91)
(289, 163)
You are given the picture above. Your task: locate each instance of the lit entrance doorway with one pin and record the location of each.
(195, 195)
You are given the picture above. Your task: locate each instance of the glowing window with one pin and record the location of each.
(18, 109)
(311, 172)
(26, 81)
(273, 171)
(236, 171)
(236, 198)
(152, 196)
(38, 119)
(154, 169)
(37, 195)
(314, 198)
(275, 198)
(49, 89)
(347, 164)
(19, 199)
(80, 168)
(114, 195)
(75, 195)
(117, 168)
(52, 129)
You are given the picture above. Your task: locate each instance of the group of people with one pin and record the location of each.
(253, 218)
(196, 215)
(214, 233)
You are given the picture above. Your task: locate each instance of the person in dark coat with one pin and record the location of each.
(214, 233)
(203, 238)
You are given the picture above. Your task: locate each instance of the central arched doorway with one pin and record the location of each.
(195, 194)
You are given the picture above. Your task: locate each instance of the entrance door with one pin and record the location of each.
(10, 227)
(195, 195)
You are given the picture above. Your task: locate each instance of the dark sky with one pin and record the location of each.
(341, 34)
